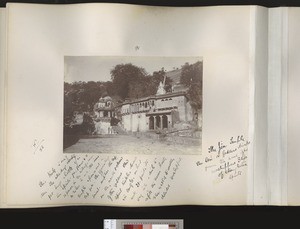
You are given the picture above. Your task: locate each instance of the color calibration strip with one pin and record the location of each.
(149, 226)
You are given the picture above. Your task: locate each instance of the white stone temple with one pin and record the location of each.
(160, 111)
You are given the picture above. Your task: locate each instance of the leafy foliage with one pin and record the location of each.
(133, 82)
(81, 97)
(191, 77)
(127, 80)
(88, 125)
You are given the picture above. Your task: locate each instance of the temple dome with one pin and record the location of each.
(107, 98)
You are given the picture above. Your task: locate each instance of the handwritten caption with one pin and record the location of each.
(112, 178)
(38, 145)
(226, 160)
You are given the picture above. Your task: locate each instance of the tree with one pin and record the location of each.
(136, 89)
(87, 126)
(191, 76)
(191, 73)
(81, 97)
(124, 75)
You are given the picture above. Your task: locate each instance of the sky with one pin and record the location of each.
(97, 68)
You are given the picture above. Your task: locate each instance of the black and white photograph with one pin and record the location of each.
(133, 105)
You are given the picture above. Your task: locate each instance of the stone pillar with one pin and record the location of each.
(161, 122)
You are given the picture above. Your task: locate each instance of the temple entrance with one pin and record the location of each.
(157, 119)
(164, 121)
(151, 123)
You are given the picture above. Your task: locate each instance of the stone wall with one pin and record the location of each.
(102, 128)
(134, 117)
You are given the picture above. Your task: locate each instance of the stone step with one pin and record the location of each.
(119, 130)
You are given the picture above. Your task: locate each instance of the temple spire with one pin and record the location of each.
(161, 90)
(164, 83)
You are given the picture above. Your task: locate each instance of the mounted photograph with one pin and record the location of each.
(133, 105)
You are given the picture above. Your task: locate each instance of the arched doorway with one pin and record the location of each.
(157, 119)
(151, 123)
(164, 121)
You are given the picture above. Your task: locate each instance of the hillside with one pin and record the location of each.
(174, 75)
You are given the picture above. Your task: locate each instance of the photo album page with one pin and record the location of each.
(127, 105)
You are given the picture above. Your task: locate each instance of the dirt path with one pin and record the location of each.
(122, 144)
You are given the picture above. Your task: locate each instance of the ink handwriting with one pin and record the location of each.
(226, 159)
(38, 145)
(114, 178)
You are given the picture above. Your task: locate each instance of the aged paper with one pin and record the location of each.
(293, 124)
(2, 99)
(258, 115)
(277, 100)
(36, 163)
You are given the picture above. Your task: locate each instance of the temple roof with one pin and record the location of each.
(105, 99)
(167, 95)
